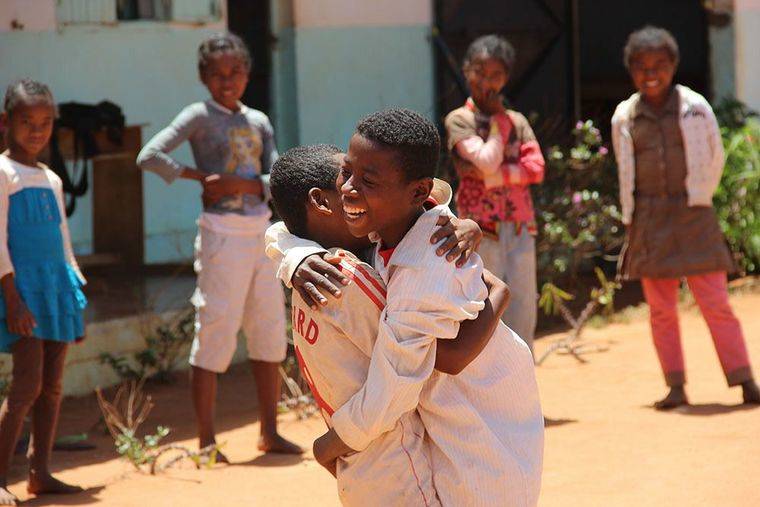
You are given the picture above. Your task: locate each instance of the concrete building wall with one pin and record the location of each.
(747, 28)
(353, 58)
(146, 67)
(722, 61)
(333, 61)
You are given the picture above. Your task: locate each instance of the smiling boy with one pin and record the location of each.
(484, 424)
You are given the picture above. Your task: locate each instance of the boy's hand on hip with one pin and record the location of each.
(218, 186)
(461, 238)
(313, 279)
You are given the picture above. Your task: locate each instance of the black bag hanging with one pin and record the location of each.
(84, 120)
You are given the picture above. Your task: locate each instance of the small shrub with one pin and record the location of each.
(554, 301)
(737, 200)
(577, 208)
(159, 359)
(125, 414)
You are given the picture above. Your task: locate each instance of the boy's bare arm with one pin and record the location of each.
(453, 356)
(328, 448)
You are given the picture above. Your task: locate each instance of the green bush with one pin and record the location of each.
(577, 209)
(737, 200)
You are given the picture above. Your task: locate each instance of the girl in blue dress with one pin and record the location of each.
(41, 301)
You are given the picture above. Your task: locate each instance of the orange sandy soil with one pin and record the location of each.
(605, 446)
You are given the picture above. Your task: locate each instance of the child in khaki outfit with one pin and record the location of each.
(234, 148)
(670, 159)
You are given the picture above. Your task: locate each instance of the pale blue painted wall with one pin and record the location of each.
(149, 69)
(323, 81)
(284, 104)
(345, 73)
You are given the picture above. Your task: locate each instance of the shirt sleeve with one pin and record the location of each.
(530, 166)
(288, 250)
(487, 155)
(420, 309)
(155, 157)
(622, 146)
(6, 265)
(716, 147)
(67, 248)
(460, 125)
(269, 156)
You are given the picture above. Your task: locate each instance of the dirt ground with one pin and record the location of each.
(605, 446)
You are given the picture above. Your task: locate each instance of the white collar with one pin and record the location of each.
(223, 109)
(414, 247)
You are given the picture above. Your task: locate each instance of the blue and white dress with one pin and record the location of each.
(36, 247)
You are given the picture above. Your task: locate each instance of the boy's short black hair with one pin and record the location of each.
(491, 46)
(222, 43)
(294, 174)
(21, 89)
(412, 136)
(650, 38)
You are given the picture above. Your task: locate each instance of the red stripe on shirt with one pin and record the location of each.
(366, 273)
(321, 403)
(411, 464)
(363, 286)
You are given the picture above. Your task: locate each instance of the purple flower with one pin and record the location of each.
(579, 125)
(603, 151)
(577, 198)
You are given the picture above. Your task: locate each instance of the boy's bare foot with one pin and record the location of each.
(46, 484)
(675, 398)
(220, 457)
(278, 445)
(7, 498)
(751, 392)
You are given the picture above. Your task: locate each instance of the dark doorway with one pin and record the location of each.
(569, 53)
(604, 28)
(540, 31)
(250, 20)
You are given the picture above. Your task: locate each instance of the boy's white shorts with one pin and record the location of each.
(237, 288)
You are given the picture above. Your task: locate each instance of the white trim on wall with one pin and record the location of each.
(27, 15)
(345, 13)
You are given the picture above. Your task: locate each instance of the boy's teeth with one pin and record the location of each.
(353, 211)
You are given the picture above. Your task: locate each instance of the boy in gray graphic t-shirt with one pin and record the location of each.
(233, 147)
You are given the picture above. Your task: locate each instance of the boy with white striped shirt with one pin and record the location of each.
(333, 346)
(484, 425)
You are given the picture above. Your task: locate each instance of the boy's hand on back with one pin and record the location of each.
(313, 279)
(462, 238)
(328, 448)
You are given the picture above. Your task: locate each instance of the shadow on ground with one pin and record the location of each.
(86, 497)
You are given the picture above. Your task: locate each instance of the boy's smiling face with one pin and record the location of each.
(375, 194)
(226, 76)
(325, 222)
(652, 73)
